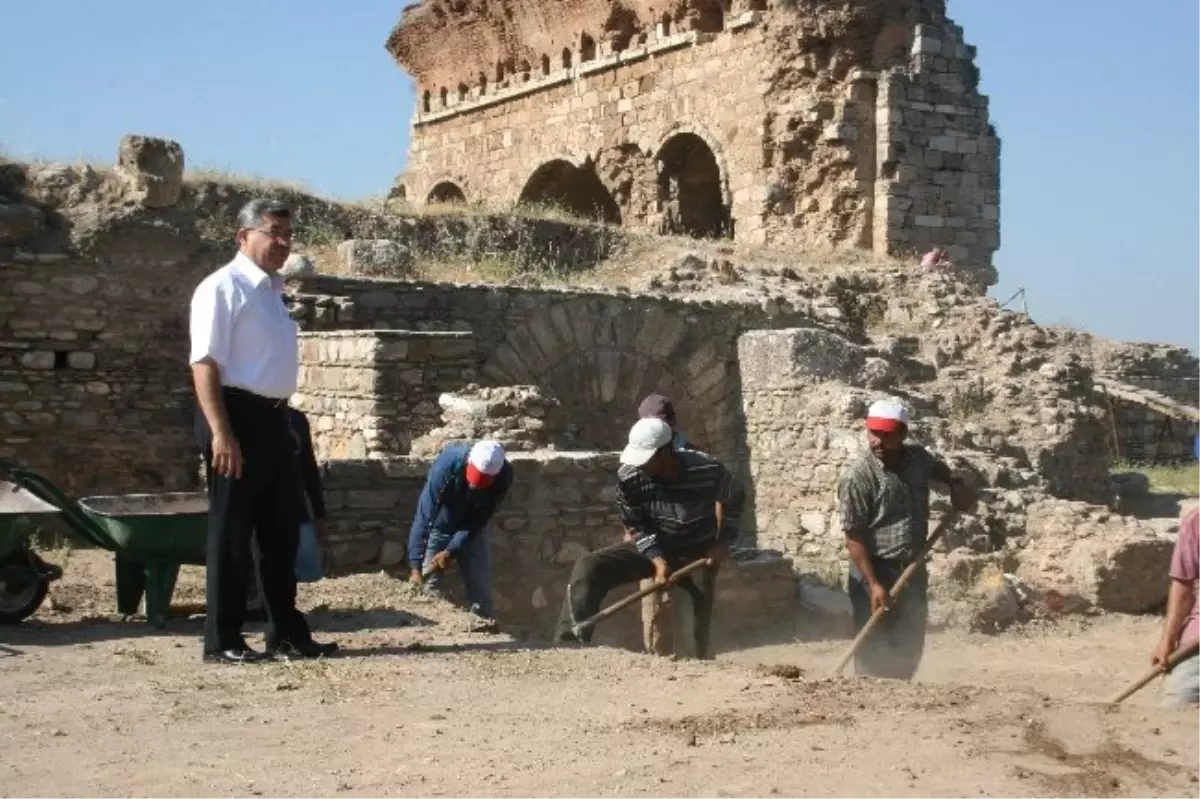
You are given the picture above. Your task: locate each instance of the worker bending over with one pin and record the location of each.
(680, 506)
(465, 486)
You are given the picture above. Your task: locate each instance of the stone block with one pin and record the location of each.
(18, 221)
(298, 266)
(81, 360)
(375, 257)
(150, 171)
(37, 359)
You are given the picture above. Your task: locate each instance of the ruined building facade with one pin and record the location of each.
(809, 123)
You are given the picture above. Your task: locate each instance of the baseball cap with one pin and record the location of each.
(646, 437)
(656, 406)
(886, 416)
(484, 462)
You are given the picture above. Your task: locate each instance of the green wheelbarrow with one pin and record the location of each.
(150, 536)
(24, 577)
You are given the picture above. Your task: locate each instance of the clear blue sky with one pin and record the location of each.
(1096, 105)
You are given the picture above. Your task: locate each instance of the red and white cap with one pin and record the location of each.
(484, 462)
(886, 416)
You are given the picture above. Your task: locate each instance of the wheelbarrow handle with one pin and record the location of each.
(621, 604)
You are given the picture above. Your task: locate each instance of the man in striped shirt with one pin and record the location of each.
(680, 506)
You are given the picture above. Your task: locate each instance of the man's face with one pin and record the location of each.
(885, 444)
(269, 244)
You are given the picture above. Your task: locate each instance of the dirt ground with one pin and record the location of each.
(418, 705)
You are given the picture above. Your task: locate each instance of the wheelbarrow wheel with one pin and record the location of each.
(22, 591)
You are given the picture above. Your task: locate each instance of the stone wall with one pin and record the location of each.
(939, 165)
(858, 126)
(1143, 435)
(598, 354)
(365, 392)
(560, 506)
(94, 384)
(804, 395)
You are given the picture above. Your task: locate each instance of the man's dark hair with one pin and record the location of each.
(252, 213)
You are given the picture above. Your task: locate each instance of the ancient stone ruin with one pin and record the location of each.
(800, 123)
(770, 363)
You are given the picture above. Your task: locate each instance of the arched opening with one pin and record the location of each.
(587, 48)
(665, 24)
(710, 16)
(482, 84)
(525, 70)
(499, 72)
(462, 92)
(445, 96)
(576, 190)
(446, 193)
(426, 101)
(545, 64)
(566, 58)
(689, 189)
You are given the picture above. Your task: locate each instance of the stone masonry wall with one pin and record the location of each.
(599, 354)
(861, 127)
(1147, 436)
(561, 506)
(364, 392)
(94, 383)
(939, 165)
(626, 108)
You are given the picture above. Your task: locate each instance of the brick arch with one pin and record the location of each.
(573, 185)
(459, 182)
(692, 187)
(600, 359)
(446, 192)
(713, 145)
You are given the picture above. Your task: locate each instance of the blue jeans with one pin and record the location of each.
(1181, 686)
(475, 566)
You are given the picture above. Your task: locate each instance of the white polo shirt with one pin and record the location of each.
(239, 320)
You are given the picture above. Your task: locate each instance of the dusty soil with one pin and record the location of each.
(417, 705)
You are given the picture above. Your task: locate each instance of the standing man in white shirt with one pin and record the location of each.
(244, 357)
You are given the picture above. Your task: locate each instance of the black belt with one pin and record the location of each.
(241, 395)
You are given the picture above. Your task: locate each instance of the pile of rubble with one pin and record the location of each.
(1004, 399)
(522, 418)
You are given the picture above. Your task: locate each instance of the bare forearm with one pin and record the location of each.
(207, 380)
(1180, 597)
(862, 559)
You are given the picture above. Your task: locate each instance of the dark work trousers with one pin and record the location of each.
(599, 572)
(894, 648)
(256, 515)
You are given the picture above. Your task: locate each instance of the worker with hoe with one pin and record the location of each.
(465, 486)
(883, 499)
(1181, 687)
(658, 611)
(680, 506)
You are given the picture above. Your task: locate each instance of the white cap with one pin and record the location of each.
(487, 457)
(886, 415)
(646, 437)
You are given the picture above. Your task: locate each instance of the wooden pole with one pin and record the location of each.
(620, 605)
(1181, 654)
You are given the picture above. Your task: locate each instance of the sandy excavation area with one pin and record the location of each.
(418, 705)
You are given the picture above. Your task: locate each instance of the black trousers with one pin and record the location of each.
(599, 572)
(255, 516)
